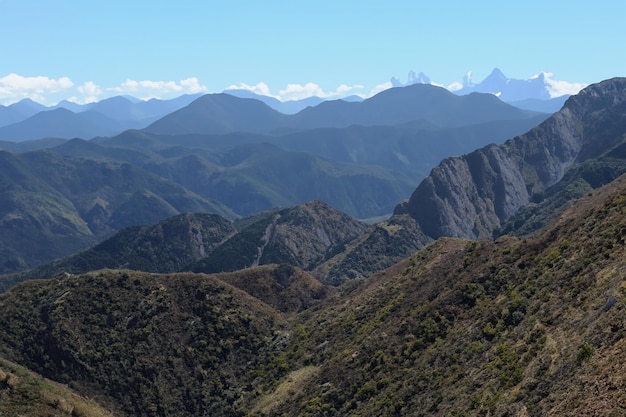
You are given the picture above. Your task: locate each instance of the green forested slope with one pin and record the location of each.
(528, 326)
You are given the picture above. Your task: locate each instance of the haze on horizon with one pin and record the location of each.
(81, 51)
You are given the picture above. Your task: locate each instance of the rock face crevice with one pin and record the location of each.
(471, 195)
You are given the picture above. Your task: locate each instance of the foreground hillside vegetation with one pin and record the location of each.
(24, 393)
(513, 327)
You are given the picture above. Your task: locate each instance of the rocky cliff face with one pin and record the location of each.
(470, 196)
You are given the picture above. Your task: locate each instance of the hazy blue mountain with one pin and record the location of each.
(408, 104)
(413, 149)
(529, 94)
(250, 178)
(353, 98)
(28, 120)
(544, 106)
(60, 123)
(286, 107)
(220, 113)
(19, 111)
(227, 113)
(137, 113)
(54, 205)
(71, 106)
(420, 78)
(223, 113)
(30, 145)
(122, 109)
(127, 108)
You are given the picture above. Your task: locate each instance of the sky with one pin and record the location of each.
(87, 50)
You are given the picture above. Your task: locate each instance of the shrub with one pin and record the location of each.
(584, 353)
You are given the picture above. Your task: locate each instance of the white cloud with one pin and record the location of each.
(260, 88)
(14, 87)
(558, 88)
(455, 86)
(147, 89)
(90, 89)
(89, 92)
(299, 91)
(379, 88)
(192, 85)
(347, 90)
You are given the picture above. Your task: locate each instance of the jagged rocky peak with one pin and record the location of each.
(470, 196)
(412, 78)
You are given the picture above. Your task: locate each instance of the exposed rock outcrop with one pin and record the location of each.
(470, 196)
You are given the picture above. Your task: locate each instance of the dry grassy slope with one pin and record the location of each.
(507, 328)
(23, 393)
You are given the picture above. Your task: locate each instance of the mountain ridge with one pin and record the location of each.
(499, 179)
(222, 113)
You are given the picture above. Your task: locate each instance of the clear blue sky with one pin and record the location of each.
(95, 48)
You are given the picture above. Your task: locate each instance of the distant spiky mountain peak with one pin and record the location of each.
(412, 78)
(509, 89)
(539, 92)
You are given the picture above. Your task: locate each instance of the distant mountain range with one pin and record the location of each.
(27, 120)
(223, 113)
(363, 158)
(237, 157)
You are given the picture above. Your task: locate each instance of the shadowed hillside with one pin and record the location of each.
(511, 327)
(54, 206)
